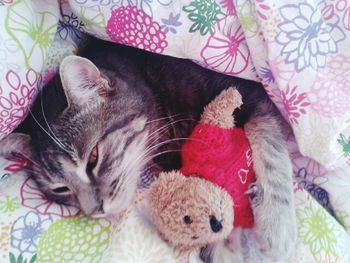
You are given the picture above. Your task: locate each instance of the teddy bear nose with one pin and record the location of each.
(215, 224)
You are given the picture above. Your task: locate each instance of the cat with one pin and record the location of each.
(114, 110)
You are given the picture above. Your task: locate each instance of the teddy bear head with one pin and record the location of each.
(190, 212)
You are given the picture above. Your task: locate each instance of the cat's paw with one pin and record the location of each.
(255, 193)
(275, 222)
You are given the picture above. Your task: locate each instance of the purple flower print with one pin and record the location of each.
(26, 231)
(267, 75)
(171, 23)
(306, 39)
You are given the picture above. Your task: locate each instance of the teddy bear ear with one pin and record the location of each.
(163, 189)
(219, 111)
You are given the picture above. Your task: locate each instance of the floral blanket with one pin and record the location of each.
(298, 49)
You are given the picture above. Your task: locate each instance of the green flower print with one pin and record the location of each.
(32, 31)
(92, 17)
(245, 13)
(345, 142)
(203, 13)
(9, 204)
(317, 230)
(79, 239)
(20, 259)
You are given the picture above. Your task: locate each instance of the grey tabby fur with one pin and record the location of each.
(135, 106)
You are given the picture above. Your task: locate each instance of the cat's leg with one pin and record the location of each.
(272, 196)
(226, 251)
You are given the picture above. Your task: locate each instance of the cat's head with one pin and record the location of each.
(91, 153)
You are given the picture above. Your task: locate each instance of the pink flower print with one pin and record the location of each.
(297, 187)
(32, 197)
(301, 196)
(294, 104)
(274, 76)
(131, 26)
(15, 102)
(6, 2)
(262, 9)
(275, 95)
(226, 49)
(330, 94)
(268, 81)
(229, 6)
(17, 164)
(346, 19)
(330, 9)
(282, 73)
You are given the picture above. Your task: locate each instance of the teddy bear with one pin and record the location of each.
(208, 197)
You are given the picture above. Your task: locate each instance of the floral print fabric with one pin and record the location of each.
(34, 229)
(298, 50)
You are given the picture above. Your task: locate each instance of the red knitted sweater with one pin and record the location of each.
(222, 156)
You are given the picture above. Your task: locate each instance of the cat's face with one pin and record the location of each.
(92, 154)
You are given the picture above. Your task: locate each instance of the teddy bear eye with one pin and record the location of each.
(187, 220)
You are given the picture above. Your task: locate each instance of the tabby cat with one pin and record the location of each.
(114, 110)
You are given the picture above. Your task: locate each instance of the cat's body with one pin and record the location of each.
(101, 129)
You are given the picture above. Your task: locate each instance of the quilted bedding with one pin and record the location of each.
(299, 50)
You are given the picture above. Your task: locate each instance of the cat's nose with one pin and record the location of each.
(215, 224)
(99, 212)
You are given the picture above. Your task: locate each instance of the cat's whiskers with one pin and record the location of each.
(156, 133)
(150, 157)
(160, 153)
(156, 146)
(117, 188)
(47, 124)
(164, 118)
(146, 155)
(166, 125)
(153, 147)
(150, 166)
(59, 144)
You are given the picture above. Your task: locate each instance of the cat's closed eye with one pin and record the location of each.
(61, 189)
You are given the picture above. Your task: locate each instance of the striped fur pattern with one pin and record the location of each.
(116, 110)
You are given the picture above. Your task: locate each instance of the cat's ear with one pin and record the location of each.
(16, 143)
(81, 80)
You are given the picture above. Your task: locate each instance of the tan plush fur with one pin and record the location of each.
(174, 196)
(219, 111)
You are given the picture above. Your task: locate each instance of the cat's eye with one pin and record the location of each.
(187, 220)
(61, 189)
(93, 159)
